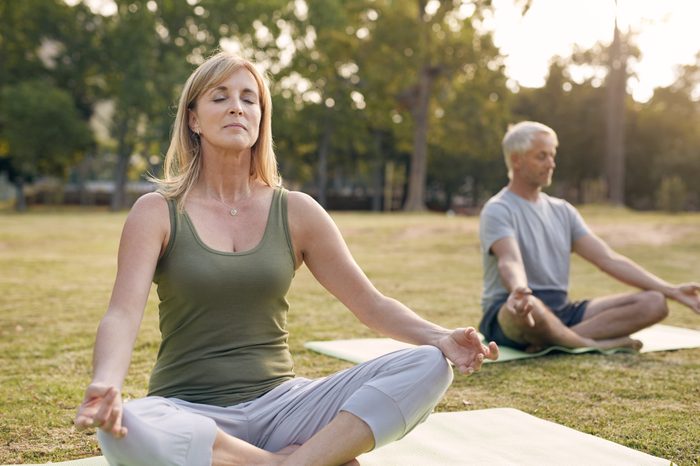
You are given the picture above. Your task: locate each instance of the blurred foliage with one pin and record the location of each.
(358, 86)
(672, 194)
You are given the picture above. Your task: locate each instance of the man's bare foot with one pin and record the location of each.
(621, 342)
(534, 348)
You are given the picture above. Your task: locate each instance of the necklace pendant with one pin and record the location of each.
(233, 212)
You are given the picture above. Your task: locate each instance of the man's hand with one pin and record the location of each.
(687, 294)
(101, 408)
(464, 348)
(520, 303)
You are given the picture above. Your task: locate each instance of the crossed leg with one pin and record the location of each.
(327, 421)
(621, 315)
(322, 448)
(607, 323)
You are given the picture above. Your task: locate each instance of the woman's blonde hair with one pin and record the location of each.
(183, 161)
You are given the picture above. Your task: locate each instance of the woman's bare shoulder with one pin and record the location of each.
(150, 208)
(301, 201)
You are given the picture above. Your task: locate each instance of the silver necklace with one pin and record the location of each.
(231, 210)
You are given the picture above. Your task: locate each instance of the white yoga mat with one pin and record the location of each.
(502, 436)
(92, 461)
(655, 338)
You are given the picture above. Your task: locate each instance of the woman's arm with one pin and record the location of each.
(144, 237)
(318, 243)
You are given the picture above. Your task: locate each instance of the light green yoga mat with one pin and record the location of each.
(501, 436)
(655, 338)
(92, 461)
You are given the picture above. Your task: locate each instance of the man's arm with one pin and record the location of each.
(512, 272)
(596, 251)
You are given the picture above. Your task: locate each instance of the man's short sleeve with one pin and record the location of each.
(578, 224)
(495, 223)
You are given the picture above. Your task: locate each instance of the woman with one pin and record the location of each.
(222, 239)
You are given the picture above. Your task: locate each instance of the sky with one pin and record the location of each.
(666, 32)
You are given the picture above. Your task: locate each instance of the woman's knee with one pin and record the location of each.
(159, 434)
(433, 364)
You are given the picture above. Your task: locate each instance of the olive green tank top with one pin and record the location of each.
(223, 316)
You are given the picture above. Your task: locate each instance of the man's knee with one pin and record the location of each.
(653, 304)
(516, 326)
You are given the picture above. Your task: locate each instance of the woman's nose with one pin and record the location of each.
(236, 107)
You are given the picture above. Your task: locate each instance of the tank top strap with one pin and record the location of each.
(174, 216)
(278, 222)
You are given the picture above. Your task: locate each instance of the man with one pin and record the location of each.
(526, 240)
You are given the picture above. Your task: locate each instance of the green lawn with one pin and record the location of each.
(57, 268)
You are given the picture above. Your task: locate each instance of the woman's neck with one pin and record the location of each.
(226, 176)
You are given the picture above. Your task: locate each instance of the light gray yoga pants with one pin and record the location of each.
(392, 394)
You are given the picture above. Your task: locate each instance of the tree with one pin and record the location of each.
(432, 43)
(470, 117)
(616, 92)
(150, 48)
(43, 132)
(573, 110)
(321, 80)
(41, 45)
(663, 141)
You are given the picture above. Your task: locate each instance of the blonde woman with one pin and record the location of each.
(222, 239)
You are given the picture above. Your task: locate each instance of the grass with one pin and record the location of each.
(57, 270)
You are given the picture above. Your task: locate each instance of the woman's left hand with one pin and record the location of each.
(464, 348)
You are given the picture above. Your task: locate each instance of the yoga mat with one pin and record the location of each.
(655, 338)
(92, 461)
(502, 436)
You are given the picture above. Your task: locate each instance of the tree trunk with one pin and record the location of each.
(419, 158)
(20, 198)
(377, 172)
(389, 186)
(122, 168)
(83, 170)
(323, 150)
(615, 122)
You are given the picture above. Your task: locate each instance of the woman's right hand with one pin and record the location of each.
(101, 408)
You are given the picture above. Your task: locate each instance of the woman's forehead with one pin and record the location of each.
(238, 78)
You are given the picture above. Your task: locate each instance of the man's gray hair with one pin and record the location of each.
(519, 139)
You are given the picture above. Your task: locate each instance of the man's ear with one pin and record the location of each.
(515, 160)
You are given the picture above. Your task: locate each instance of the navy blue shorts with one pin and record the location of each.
(569, 313)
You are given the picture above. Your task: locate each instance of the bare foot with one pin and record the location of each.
(534, 348)
(621, 342)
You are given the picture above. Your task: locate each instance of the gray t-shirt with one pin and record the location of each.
(545, 231)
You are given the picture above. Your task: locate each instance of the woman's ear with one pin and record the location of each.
(192, 121)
